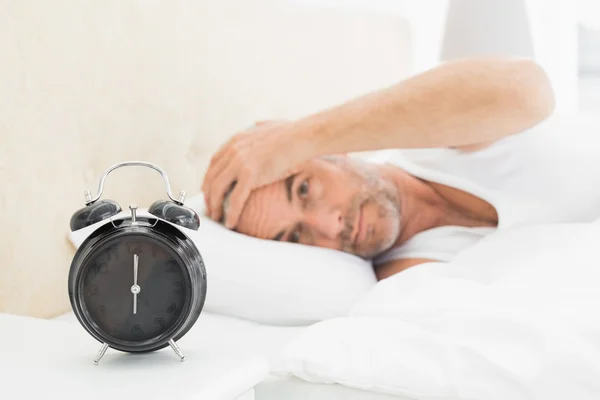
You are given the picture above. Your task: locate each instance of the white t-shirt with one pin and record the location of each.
(548, 174)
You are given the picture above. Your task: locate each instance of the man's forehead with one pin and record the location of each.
(267, 211)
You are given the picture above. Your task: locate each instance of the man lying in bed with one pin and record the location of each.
(473, 152)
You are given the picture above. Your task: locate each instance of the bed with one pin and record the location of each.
(235, 333)
(480, 327)
(491, 324)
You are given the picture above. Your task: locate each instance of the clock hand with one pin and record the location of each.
(135, 268)
(135, 289)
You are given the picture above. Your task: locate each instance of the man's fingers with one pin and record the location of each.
(222, 157)
(206, 185)
(214, 171)
(225, 173)
(237, 201)
(217, 194)
(206, 204)
(295, 170)
(213, 167)
(221, 169)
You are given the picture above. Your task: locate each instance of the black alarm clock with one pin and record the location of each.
(137, 283)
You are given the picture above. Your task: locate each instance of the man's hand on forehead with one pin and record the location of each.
(250, 159)
(424, 111)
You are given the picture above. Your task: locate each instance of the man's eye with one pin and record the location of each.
(303, 189)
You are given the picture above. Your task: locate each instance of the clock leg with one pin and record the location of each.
(176, 349)
(101, 353)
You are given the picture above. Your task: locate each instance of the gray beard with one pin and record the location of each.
(388, 206)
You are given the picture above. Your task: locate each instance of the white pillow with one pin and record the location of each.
(271, 282)
(515, 318)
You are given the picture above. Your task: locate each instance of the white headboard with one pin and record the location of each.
(84, 85)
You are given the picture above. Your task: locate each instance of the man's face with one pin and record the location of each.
(334, 202)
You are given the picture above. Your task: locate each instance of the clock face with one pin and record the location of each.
(134, 288)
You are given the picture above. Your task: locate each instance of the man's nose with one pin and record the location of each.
(329, 223)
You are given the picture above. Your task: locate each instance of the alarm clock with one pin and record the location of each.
(137, 283)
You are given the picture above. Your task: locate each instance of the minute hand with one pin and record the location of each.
(135, 289)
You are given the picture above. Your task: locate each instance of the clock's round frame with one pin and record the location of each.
(169, 236)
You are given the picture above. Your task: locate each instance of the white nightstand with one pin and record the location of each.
(50, 359)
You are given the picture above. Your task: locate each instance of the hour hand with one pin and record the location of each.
(135, 289)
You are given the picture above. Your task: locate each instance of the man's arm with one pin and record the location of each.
(466, 104)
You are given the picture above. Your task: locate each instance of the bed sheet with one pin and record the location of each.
(275, 388)
(233, 334)
(514, 317)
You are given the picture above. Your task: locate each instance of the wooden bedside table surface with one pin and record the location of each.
(50, 358)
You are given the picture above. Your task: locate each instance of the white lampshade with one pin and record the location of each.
(487, 27)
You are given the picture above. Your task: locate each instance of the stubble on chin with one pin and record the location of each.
(349, 221)
(383, 194)
(390, 212)
(385, 199)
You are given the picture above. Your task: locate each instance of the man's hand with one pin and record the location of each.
(250, 159)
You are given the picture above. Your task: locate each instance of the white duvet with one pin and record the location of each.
(515, 317)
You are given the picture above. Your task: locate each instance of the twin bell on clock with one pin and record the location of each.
(137, 283)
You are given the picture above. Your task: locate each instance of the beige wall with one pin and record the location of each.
(84, 85)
